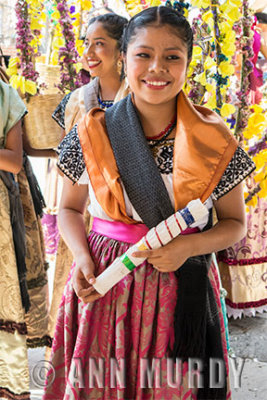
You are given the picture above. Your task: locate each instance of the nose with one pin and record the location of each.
(157, 65)
(89, 49)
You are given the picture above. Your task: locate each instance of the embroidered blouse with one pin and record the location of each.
(72, 164)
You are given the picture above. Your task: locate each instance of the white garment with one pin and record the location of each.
(97, 211)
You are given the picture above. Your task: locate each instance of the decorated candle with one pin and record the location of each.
(155, 238)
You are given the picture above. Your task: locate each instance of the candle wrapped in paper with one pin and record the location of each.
(155, 238)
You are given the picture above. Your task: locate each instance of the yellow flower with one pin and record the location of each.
(210, 88)
(34, 3)
(201, 78)
(208, 18)
(209, 63)
(248, 134)
(237, 3)
(259, 177)
(201, 3)
(224, 27)
(190, 71)
(43, 16)
(252, 202)
(86, 5)
(35, 24)
(155, 3)
(256, 108)
(260, 159)
(13, 66)
(233, 14)
(58, 42)
(227, 109)
(54, 57)
(228, 49)
(18, 82)
(226, 69)
(256, 119)
(30, 87)
(197, 53)
(78, 66)
(55, 15)
(211, 103)
(230, 36)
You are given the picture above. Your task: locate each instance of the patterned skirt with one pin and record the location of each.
(108, 349)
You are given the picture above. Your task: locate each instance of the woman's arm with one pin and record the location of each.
(11, 155)
(231, 228)
(72, 228)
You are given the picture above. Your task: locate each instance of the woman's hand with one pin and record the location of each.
(170, 257)
(83, 279)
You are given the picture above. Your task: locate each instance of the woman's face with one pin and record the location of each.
(156, 64)
(101, 53)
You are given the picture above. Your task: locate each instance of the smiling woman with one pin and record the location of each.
(101, 58)
(147, 156)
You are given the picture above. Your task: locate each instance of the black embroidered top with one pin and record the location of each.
(72, 164)
(59, 113)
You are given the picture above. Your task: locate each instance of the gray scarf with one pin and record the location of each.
(138, 170)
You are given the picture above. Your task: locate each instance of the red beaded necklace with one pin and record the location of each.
(162, 133)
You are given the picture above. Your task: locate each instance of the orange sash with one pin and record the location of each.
(203, 148)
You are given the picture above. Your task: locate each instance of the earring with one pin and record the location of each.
(119, 67)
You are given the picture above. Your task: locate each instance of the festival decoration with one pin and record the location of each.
(30, 19)
(68, 56)
(221, 31)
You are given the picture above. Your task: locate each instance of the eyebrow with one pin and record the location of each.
(151, 48)
(97, 38)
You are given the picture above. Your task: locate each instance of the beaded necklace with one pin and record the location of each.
(163, 134)
(104, 103)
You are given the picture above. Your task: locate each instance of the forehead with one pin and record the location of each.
(158, 36)
(96, 29)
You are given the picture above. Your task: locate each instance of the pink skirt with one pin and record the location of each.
(108, 349)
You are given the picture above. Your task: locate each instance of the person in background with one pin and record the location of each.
(142, 159)
(33, 203)
(103, 60)
(14, 296)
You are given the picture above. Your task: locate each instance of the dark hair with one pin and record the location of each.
(159, 16)
(113, 24)
(261, 17)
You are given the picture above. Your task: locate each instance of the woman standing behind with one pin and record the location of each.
(14, 298)
(148, 155)
(104, 63)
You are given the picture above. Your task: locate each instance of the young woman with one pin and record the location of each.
(148, 155)
(102, 58)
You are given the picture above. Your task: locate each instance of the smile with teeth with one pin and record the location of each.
(157, 83)
(93, 64)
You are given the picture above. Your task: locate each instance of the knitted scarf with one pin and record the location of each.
(196, 322)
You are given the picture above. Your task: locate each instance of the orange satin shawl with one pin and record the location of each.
(203, 148)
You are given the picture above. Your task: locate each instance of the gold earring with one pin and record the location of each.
(119, 67)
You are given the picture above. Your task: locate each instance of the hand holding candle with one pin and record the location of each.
(156, 237)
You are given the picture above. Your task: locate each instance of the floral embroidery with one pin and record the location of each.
(59, 113)
(70, 156)
(237, 170)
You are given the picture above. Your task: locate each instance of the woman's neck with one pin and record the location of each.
(155, 118)
(109, 87)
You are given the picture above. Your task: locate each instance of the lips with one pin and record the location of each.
(93, 64)
(156, 84)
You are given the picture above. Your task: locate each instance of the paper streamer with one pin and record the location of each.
(155, 238)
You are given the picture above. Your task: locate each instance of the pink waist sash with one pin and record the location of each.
(125, 233)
